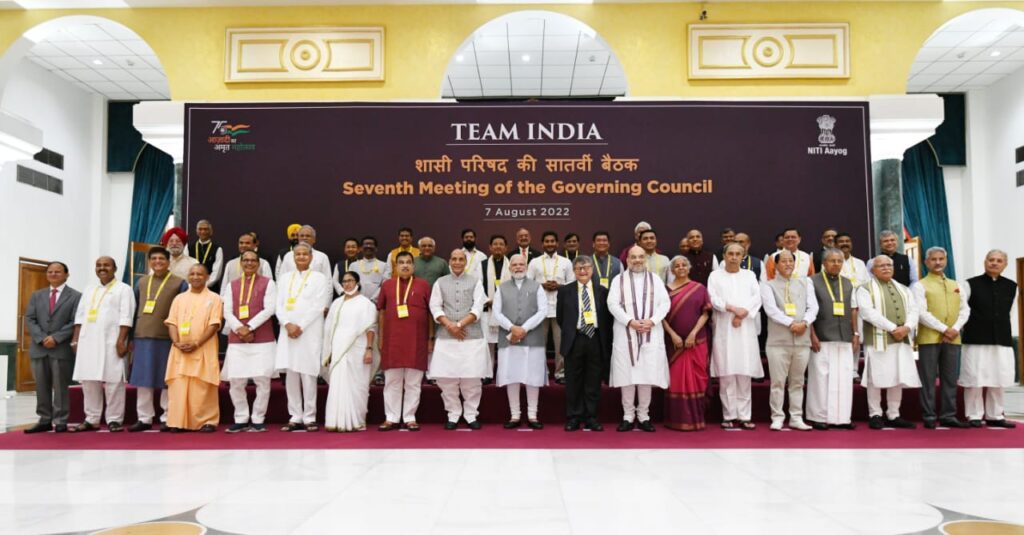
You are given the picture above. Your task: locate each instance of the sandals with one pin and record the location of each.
(292, 426)
(747, 425)
(115, 427)
(412, 426)
(312, 428)
(728, 424)
(84, 426)
(387, 426)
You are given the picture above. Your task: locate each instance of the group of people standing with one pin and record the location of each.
(635, 322)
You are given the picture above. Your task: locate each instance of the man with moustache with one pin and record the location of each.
(320, 262)
(657, 263)
(180, 262)
(523, 246)
(904, 271)
(102, 323)
(834, 342)
(606, 266)
(208, 253)
(828, 240)
(372, 272)
(475, 258)
(233, 269)
(427, 265)
(791, 241)
(404, 245)
(702, 262)
(350, 251)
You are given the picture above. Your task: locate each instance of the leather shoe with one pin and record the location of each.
(848, 427)
(512, 424)
(38, 428)
(818, 426)
(646, 426)
(60, 428)
(876, 422)
(624, 426)
(594, 425)
(974, 423)
(534, 424)
(1001, 423)
(899, 423)
(930, 424)
(572, 424)
(953, 423)
(474, 425)
(139, 426)
(450, 425)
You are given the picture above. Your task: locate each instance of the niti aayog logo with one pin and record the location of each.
(224, 137)
(826, 138)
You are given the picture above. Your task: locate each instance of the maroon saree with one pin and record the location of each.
(688, 367)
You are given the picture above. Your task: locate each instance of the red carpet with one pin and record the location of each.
(552, 437)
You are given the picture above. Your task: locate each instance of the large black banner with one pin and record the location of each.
(355, 169)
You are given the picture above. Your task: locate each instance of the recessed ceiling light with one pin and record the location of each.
(526, 57)
(459, 58)
(995, 54)
(97, 62)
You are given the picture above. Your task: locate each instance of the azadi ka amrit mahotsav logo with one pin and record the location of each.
(225, 136)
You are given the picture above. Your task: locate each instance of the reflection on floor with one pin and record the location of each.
(510, 491)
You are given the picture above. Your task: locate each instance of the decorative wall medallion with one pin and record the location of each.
(308, 54)
(798, 50)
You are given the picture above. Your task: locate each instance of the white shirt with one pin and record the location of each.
(320, 263)
(60, 290)
(473, 261)
(589, 288)
(233, 270)
(855, 270)
(771, 308)
(546, 268)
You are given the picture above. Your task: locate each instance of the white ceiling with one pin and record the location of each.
(534, 54)
(104, 58)
(970, 52)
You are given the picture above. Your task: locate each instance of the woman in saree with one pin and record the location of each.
(687, 346)
(348, 357)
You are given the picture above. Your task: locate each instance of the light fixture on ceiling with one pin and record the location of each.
(995, 54)
(526, 57)
(459, 58)
(97, 62)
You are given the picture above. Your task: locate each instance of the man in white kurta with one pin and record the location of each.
(552, 271)
(657, 264)
(249, 306)
(493, 272)
(372, 272)
(987, 360)
(460, 352)
(104, 316)
(233, 269)
(520, 305)
(735, 355)
(856, 270)
(302, 298)
(320, 262)
(889, 314)
(638, 301)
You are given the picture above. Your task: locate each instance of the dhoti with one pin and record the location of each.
(193, 403)
(830, 384)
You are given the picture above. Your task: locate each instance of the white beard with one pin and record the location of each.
(518, 276)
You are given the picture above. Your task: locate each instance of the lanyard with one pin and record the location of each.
(94, 304)
(205, 256)
(252, 284)
(574, 256)
(362, 268)
(398, 290)
(472, 257)
(607, 267)
(544, 263)
(149, 288)
(788, 300)
(829, 288)
(656, 266)
(301, 286)
(747, 267)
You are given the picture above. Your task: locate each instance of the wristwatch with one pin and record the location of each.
(856, 333)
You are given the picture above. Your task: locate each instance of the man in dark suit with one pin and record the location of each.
(523, 246)
(582, 313)
(51, 322)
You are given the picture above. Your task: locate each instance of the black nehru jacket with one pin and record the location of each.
(990, 302)
(204, 254)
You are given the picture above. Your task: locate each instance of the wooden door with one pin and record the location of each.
(31, 277)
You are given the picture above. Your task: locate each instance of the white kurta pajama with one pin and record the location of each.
(556, 268)
(458, 365)
(243, 361)
(983, 368)
(887, 365)
(488, 322)
(638, 361)
(344, 347)
(829, 397)
(522, 364)
(97, 364)
(320, 263)
(735, 354)
(300, 357)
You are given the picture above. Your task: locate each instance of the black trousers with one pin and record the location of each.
(583, 378)
(941, 361)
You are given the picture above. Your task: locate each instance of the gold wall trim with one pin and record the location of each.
(304, 54)
(812, 50)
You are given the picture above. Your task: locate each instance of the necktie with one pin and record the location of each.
(587, 329)
(53, 300)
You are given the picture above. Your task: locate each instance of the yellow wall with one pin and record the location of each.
(649, 39)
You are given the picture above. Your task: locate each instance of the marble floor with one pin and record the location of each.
(531, 492)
